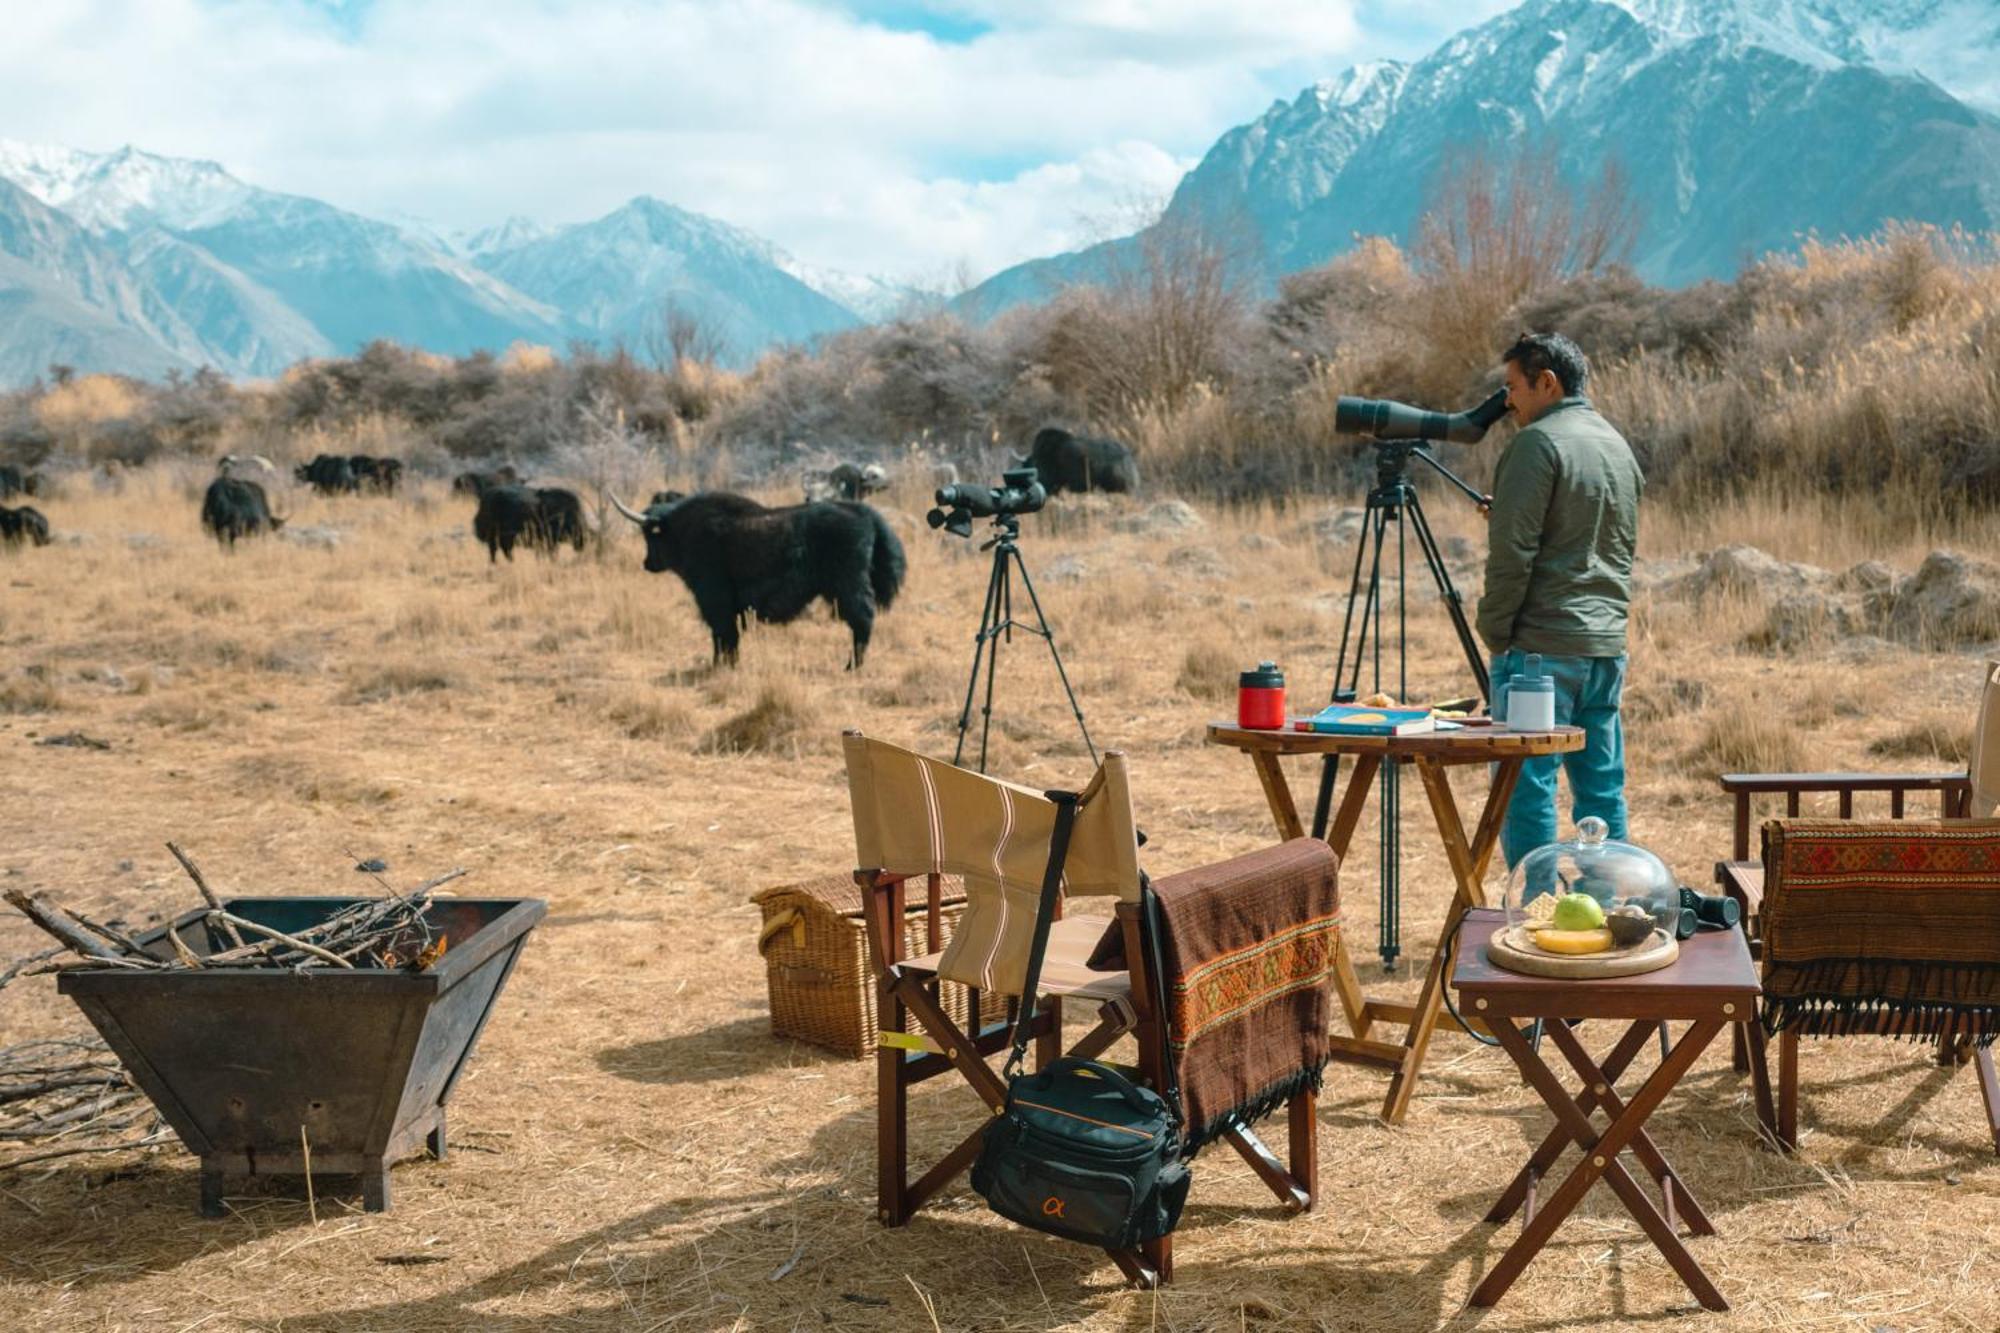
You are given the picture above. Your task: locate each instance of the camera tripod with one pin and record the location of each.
(997, 622)
(1393, 502)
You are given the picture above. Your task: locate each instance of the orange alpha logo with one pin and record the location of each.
(1052, 1207)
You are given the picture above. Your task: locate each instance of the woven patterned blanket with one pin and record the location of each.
(1891, 926)
(1248, 953)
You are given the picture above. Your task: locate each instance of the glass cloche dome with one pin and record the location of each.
(1593, 895)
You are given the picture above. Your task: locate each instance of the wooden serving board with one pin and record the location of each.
(1513, 948)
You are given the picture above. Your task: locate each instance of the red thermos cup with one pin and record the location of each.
(1260, 698)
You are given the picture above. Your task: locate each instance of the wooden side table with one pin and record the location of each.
(1711, 986)
(1432, 754)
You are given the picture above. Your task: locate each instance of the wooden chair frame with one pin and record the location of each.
(905, 1059)
(1742, 876)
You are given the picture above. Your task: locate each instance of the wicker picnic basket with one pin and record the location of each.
(816, 959)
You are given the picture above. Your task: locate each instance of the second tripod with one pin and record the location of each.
(1392, 502)
(996, 623)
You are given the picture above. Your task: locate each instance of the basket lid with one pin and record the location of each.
(840, 895)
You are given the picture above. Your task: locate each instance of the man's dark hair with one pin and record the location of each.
(1537, 352)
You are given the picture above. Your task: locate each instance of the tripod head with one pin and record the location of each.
(1392, 471)
(1006, 531)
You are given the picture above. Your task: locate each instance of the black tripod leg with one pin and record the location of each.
(1329, 770)
(988, 620)
(1004, 600)
(1049, 635)
(1454, 605)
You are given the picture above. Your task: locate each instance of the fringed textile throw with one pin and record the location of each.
(1247, 947)
(1883, 927)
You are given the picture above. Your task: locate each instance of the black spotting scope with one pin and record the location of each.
(1385, 417)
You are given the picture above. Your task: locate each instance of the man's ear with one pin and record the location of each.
(1546, 381)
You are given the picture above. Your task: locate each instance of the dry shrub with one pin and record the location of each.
(188, 713)
(1209, 671)
(1750, 737)
(92, 400)
(398, 678)
(1940, 738)
(648, 717)
(1674, 698)
(29, 693)
(921, 684)
(773, 724)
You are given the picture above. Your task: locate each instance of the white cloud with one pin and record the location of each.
(851, 144)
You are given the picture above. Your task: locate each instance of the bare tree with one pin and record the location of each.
(1161, 323)
(1495, 232)
(607, 455)
(679, 336)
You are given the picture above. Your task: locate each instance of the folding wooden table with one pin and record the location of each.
(1432, 754)
(1713, 984)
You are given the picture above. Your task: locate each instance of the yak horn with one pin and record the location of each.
(627, 510)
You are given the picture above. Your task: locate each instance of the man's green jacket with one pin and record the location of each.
(1564, 525)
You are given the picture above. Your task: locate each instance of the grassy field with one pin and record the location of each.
(636, 1151)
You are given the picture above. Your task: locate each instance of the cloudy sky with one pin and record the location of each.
(924, 140)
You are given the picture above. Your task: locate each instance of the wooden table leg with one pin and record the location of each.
(1602, 1084)
(1360, 1011)
(1600, 1160)
(1278, 794)
(1546, 1155)
(1469, 860)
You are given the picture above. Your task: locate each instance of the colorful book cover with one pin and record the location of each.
(1356, 720)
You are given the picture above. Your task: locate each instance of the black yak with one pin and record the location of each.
(1067, 462)
(739, 558)
(478, 482)
(846, 481)
(18, 481)
(236, 508)
(561, 518)
(521, 515)
(25, 524)
(329, 474)
(377, 474)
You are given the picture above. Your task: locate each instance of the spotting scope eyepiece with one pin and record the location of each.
(1385, 417)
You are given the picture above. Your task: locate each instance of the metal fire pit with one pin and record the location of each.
(261, 1070)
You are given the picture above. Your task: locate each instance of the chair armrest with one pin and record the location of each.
(1953, 789)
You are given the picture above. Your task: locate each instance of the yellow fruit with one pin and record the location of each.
(1574, 941)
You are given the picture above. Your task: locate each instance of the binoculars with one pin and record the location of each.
(1713, 910)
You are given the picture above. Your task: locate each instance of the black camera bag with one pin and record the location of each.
(1079, 1150)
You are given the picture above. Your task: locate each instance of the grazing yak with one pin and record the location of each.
(236, 508)
(522, 515)
(845, 481)
(1069, 462)
(377, 474)
(329, 474)
(25, 524)
(478, 482)
(739, 558)
(18, 481)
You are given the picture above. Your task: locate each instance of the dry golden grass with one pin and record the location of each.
(635, 1151)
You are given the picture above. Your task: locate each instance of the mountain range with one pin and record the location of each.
(1741, 127)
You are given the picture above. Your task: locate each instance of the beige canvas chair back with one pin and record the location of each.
(916, 816)
(1985, 769)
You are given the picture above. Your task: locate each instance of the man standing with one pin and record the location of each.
(1563, 527)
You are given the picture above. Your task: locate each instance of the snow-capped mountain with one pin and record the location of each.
(615, 277)
(135, 262)
(1740, 128)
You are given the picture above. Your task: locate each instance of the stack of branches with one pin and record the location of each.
(387, 932)
(62, 1096)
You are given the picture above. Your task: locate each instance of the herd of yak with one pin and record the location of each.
(738, 558)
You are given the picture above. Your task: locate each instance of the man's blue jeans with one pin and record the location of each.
(1588, 692)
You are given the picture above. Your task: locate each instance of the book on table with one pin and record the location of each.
(1359, 720)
